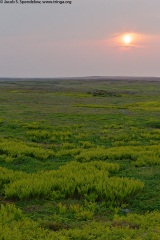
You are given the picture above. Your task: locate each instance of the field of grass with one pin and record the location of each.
(80, 159)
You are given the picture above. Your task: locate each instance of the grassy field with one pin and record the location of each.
(80, 159)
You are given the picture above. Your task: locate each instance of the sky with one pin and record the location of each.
(84, 38)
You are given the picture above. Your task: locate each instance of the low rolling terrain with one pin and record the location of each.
(80, 158)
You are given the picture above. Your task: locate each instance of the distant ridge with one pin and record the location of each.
(83, 78)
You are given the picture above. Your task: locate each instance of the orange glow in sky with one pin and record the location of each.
(129, 40)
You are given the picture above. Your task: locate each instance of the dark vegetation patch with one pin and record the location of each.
(106, 93)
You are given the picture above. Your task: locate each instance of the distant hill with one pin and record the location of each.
(127, 78)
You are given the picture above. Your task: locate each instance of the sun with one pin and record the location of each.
(127, 39)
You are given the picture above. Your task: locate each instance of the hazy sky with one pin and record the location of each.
(80, 39)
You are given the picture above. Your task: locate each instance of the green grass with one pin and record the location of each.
(46, 125)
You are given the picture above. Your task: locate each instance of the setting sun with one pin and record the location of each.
(127, 39)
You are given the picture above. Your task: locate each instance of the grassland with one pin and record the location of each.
(80, 159)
